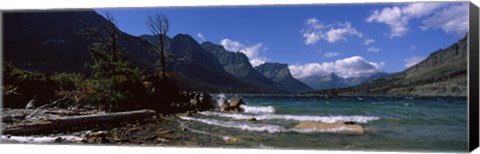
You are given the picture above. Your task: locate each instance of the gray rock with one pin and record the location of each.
(232, 104)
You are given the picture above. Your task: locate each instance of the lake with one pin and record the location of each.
(391, 123)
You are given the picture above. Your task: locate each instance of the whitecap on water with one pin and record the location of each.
(239, 125)
(325, 119)
(220, 98)
(314, 130)
(262, 127)
(257, 109)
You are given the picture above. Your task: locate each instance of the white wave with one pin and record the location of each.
(239, 125)
(257, 109)
(262, 127)
(325, 119)
(220, 98)
(314, 130)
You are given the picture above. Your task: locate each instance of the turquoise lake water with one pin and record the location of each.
(391, 124)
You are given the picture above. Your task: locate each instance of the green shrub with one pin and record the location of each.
(20, 86)
(68, 81)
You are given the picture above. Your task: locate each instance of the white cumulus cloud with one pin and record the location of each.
(418, 10)
(311, 38)
(409, 62)
(355, 66)
(315, 31)
(451, 17)
(452, 20)
(253, 52)
(331, 54)
(341, 33)
(200, 35)
(393, 18)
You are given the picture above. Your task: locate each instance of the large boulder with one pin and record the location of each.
(205, 101)
(338, 127)
(232, 104)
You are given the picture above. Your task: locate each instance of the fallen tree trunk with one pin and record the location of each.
(40, 139)
(77, 122)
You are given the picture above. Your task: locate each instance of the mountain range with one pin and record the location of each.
(280, 73)
(51, 42)
(237, 63)
(442, 73)
(334, 81)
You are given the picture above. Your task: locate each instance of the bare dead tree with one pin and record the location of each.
(158, 25)
(113, 33)
(106, 51)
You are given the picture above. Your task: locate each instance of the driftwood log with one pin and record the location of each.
(78, 122)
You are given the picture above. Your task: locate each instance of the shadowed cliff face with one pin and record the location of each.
(193, 62)
(281, 74)
(443, 73)
(50, 41)
(237, 63)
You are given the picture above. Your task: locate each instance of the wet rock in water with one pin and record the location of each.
(232, 104)
(252, 119)
(339, 127)
(58, 139)
(193, 101)
(206, 102)
(235, 102)
(349, 123)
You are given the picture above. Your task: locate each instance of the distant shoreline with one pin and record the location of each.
(325, 96)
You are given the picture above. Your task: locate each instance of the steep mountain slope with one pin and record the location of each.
(334, 81)
(50, 41)
(237, 63)
(443, 73)
(281, 74)
(193, 62)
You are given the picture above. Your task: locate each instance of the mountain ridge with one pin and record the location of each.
(334, 81)
(48, 42)
(280, 73)
(237, 63)
(442, 73)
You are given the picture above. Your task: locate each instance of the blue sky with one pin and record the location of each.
(348, 39)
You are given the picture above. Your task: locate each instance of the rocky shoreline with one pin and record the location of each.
(138, 127)
(163, 130)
